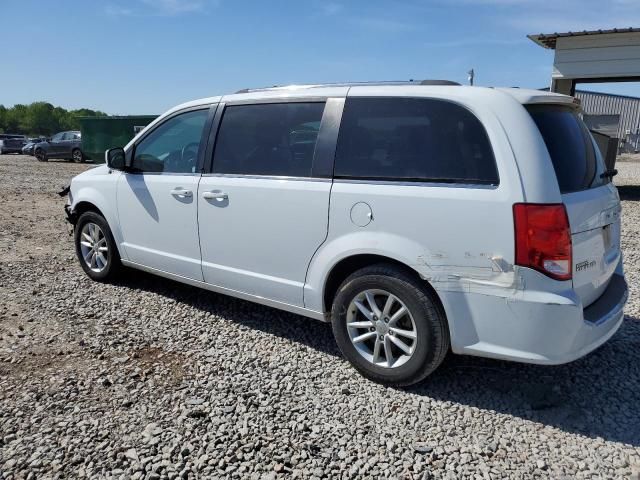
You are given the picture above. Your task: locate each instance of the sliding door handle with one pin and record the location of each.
(215, 195)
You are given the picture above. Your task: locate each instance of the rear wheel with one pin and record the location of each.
(389, 325)
(40, 155)
(95, 247)
(77, 156)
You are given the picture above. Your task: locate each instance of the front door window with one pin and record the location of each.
(173, 146)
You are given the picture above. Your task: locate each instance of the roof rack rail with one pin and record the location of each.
(349, 84)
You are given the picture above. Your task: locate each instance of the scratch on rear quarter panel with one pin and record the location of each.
(497, 280)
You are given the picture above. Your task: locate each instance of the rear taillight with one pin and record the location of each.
(543, 238)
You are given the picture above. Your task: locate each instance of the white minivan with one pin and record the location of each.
(416, 218)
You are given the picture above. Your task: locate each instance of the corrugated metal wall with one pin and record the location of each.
(605, 104)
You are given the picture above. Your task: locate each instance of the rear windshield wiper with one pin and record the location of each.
(609, 173)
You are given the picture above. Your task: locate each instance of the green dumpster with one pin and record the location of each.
(102, 133)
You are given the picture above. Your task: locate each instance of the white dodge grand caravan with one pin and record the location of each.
(416, 218)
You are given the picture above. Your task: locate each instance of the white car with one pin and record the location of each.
(418, 219)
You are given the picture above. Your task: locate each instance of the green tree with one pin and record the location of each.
(39, 119)
(14, 118)
(61, 119)
(75, 116)
(3, 113)
(42, 118)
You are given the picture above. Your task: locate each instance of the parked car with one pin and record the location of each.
(11, 143)
(66, 145)
(417, 219)
(30, 145)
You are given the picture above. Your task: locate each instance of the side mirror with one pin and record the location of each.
(115, 158)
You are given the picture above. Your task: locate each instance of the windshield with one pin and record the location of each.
(571, 147)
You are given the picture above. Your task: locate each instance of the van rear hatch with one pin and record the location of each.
(14, 142)
(591, 200)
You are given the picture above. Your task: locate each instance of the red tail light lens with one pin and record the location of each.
(543, 238)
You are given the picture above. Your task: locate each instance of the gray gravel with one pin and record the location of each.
(152, 379)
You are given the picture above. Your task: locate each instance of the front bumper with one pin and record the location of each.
(533, 329)
(72, 219)
(71, 216)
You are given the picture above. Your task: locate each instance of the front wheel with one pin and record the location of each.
(389, 325)
(95, 247)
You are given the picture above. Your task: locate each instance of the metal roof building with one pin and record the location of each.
(592, 56)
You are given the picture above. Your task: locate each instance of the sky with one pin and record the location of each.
(145, 56)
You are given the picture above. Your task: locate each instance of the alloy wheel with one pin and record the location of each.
(94, 247)
(381, 328)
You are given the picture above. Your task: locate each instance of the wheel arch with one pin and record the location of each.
(350, 264)
(86, 206)
(90, 199)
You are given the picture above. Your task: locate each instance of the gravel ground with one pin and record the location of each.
(152, 379)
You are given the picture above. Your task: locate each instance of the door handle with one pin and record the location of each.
(215, 196)
(179, 192)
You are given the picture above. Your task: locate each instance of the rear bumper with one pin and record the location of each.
(548, 329)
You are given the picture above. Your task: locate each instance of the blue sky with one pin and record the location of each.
(144, 56)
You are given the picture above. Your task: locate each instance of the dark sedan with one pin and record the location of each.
(67, 145)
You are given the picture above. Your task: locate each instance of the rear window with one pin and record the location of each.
(413, 139)
(570, 146)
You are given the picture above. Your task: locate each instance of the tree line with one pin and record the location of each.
(42, 119)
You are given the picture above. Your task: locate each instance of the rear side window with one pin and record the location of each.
(268, 139)
(413, 139)
(570, 146)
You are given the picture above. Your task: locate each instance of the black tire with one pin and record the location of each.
(77, 156)
(432, 343)
(41, 155)
(113, 265)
